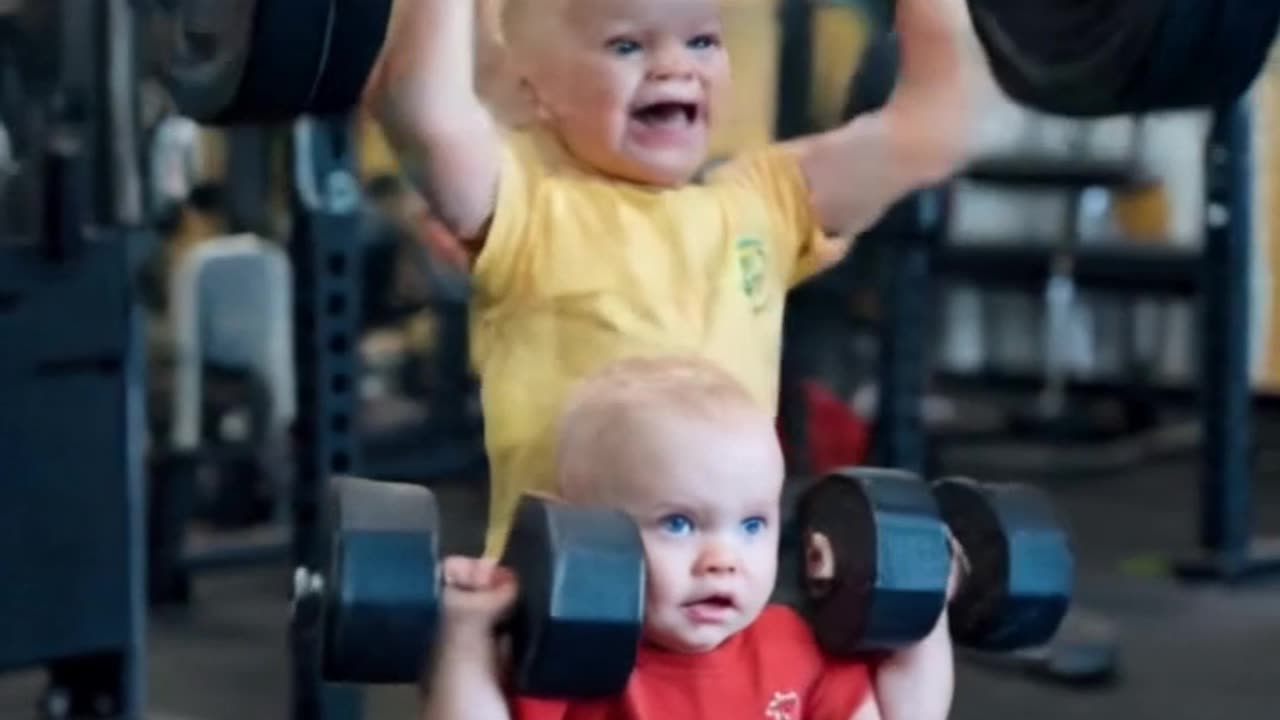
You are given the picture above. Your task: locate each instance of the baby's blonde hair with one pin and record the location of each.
(605, 407)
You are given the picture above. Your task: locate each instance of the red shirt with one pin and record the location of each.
(773, 670)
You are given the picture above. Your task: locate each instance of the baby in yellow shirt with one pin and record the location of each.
(589, 234)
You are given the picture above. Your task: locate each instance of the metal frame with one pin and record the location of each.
(71, 435)
(79, 601)
(1226, 392)
(914, 229)
(1225, 397)
(326, 322)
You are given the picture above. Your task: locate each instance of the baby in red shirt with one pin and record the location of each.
(681, 448)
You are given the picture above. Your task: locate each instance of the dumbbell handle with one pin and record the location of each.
(820, 565)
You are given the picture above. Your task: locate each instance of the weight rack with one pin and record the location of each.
(72, 426)
(1224, 396)
(326, 262)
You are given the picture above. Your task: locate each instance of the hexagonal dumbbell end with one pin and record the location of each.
(382, 589)
(876, 560)
(576, 628)
(1017, 587)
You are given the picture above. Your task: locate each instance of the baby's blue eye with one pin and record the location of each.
(753, 526)
(677, 524)
(704, 42)
(623, 46)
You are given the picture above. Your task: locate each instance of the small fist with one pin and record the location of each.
(477, 592)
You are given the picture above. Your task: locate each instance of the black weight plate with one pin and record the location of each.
(207, 51)
(891, 560)
(1207, 54)
(1254, 24)
(1177, 58)
(577, 626)
(262, 63)
(362, 29)
(1021, 566)
(1070, 57)
(290, 41)
(382, 588)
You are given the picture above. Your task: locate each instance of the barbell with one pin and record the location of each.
(1089, 58)
(232, 61)
(237, 61)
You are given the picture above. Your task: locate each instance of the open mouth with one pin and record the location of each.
(666, 114)
(716, 609)
(715, 601)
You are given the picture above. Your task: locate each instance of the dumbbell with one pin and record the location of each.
(879, 555)
(578, 621)
(576, 626)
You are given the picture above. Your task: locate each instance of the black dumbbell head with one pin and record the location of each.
(1018, 586)
(891, 559)
(382, 589)
(578, 622)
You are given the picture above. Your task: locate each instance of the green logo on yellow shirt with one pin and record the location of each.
(751, 261)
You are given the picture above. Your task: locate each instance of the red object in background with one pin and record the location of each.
(838, 436)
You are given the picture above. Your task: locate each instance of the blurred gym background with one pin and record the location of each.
(1061, 324)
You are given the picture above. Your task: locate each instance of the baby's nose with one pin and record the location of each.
(718, 559)
(671, 62)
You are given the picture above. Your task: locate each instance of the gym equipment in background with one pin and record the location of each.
(264, 60)
(231, 317)
(72, 430)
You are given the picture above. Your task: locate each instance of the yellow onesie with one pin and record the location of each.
(579, 270)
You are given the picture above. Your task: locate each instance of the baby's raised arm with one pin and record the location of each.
(423, 93)
(925, 133)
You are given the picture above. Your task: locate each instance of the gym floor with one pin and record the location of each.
(1186, 652)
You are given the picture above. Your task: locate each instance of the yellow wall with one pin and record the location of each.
(840, 34)
(751, 37)
(1267, 230)
(375, 155)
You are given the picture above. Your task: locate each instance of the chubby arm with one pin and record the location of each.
(857, 171)
(925, 133)
(917, 683)
(422, 91)
(464, 680)
(464, 684)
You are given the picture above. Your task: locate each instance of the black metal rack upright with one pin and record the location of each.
(1226, 391)
(326, 264)
(909, 234)
(72, 428)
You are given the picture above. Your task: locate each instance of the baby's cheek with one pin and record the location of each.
(660, 578)
(657, 587)
(765, 577)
